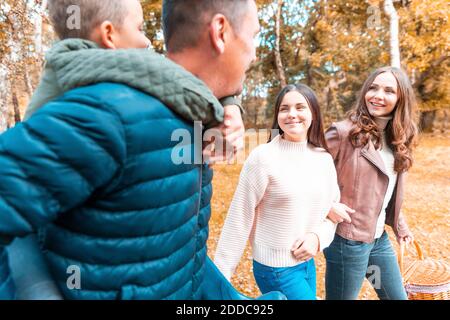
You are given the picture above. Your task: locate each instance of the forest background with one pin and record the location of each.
(330, 45)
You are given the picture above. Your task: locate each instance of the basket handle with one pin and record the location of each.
(402, 253)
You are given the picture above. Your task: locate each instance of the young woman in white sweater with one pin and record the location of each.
(285, 192)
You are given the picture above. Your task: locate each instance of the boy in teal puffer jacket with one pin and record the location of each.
(67, 71)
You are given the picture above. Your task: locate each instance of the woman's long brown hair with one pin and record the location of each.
(401, 131)
(316, 135)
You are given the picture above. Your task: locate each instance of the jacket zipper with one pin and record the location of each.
(197, 229)
(201, 190)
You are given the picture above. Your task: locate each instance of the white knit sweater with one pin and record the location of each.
(387, 156)
(285, 190)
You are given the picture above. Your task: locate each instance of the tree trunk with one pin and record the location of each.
(255, 121)
(278, 61)
(3, 114)
(427, 120)
(38, 34)
(418, 80)
(38, 23)
(390, 11)
(3, 98)
(27, 82)
(15, 101)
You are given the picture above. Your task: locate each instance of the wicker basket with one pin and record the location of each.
(425, 279)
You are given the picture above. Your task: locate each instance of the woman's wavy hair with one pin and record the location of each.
(316, 135)
(401, 131)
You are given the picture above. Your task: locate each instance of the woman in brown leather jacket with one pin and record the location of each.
(372, 151)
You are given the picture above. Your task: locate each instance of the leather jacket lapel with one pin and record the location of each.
(372, 155)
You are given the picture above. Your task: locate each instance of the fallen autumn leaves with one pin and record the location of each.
(426, 208)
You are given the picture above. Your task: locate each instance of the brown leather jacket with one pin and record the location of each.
(363, 183)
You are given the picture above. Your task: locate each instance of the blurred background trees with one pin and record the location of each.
(25, 34)
(331, 46)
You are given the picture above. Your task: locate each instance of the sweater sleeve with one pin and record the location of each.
(325, 233)
(240, 219)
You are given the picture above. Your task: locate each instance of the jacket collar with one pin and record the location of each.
(370, 153)
(77, 62)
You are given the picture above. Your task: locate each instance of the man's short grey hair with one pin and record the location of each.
(184, 20)
(92, 13)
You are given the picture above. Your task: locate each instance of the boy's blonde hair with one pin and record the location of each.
(91, 14)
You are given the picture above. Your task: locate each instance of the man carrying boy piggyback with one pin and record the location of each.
(93, 165)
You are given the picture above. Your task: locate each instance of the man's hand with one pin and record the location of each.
(306, 247)
(339, 212)
(232, 137)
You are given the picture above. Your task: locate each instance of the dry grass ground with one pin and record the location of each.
(426, 208)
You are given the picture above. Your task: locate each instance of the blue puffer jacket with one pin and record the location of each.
(95, 166)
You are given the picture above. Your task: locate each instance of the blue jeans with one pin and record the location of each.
(296, 283)
(348, 262)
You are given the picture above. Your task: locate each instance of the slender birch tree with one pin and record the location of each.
(278, 61)
(390, 11)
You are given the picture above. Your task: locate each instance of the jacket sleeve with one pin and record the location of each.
(232, 100)
(400, 227)
(333, 141)
(55, 161)
(326, 230)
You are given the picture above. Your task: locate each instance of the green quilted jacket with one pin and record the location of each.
(74, 63)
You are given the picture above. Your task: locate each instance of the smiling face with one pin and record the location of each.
(381, 97)
(294, 117)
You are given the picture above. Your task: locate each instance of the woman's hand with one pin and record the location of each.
(408, 238)
(306, 247)
(339, 212)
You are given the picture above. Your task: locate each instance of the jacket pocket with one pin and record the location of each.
(353, 242)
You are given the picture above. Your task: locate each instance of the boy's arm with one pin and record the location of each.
(54, 162)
